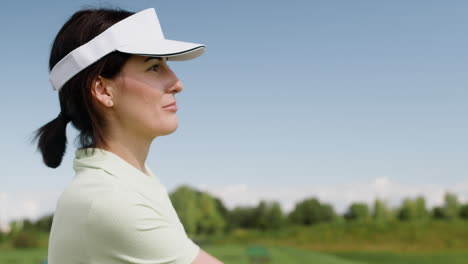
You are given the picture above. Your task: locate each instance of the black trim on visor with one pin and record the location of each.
(170, 54)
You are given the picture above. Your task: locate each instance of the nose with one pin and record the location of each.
(176, 86)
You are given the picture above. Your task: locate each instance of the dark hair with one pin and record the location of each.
(77, 104)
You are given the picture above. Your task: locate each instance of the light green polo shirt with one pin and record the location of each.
(112, 213)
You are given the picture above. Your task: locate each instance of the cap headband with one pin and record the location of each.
(139, 34)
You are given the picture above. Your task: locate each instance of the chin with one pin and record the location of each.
(169, 129)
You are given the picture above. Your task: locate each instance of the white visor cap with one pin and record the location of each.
(139, 34)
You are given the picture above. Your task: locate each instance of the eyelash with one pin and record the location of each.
(154, 66)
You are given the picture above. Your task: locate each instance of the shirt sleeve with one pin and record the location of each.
(122, 227)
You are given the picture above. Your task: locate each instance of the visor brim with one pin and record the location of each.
(172, 49)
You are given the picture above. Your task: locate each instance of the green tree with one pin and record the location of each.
(311, 211)
(210, 221)
(44, 223)
(357, 212)
(3, 236)
(412, 209)
(28, 224)
(275, 216)
(261, 215)
(421, 210)
(242, 216)
(407, 210)
(464, 211)
(184, 200)
(223, 211)
(380, 211)
(268, 216)
(451, 209)
(15, 227)
(438, 212)
(328, 213)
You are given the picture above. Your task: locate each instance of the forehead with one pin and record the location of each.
(145, 59)
(136, 62)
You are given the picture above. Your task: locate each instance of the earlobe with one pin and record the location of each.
(101, 90)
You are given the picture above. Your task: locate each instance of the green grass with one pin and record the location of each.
(406, 258)
(22, 256)
(236, 254)
(229, 254)
(418, 236)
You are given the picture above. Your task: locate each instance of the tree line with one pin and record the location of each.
(204, 214)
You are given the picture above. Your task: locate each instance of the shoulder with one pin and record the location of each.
(123, 225)
(118, 208)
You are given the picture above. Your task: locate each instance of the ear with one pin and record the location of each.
(102, 91)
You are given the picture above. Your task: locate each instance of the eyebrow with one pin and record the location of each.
(153, 58)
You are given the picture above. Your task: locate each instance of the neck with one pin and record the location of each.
(134, 150)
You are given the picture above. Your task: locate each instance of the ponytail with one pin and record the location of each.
(75, 97)
(52, 140)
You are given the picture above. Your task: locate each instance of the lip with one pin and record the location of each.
(171, 107)
(174, 103)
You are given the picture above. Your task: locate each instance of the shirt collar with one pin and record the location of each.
(110, 162)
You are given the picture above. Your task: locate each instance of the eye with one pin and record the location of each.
(154, 68)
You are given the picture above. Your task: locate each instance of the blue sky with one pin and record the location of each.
(291, 99)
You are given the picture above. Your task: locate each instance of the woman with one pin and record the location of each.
(115, 87)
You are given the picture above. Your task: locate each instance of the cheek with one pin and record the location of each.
(139, 93)
(140, 108)
(139, 102)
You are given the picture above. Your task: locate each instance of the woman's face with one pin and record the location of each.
(143, 88)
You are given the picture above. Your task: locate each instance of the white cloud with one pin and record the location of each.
(243, 194)
(20, 205)
(339, 195)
